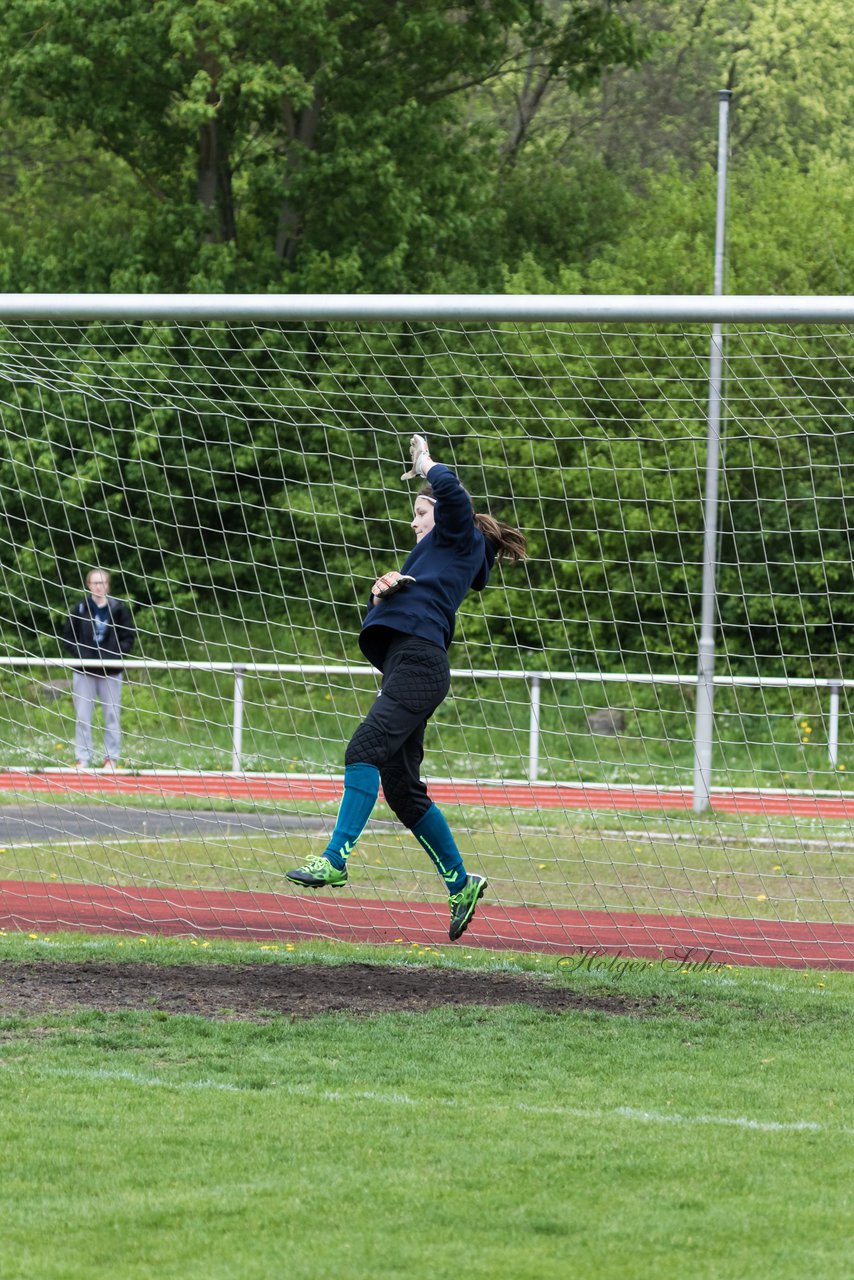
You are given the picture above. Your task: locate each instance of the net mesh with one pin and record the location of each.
(241, 482)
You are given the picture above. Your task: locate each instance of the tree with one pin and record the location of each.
(790, 67)
(310, 144)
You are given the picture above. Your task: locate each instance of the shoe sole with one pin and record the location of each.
(315, 884)
(481, 889)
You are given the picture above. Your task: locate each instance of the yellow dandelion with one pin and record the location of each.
(807, 728)
(34, 937)
(541, 866)
(398, 939)
(761, 897)
(805, 724)
(820, 984)
(778, 867)
(841, 768)
(59, 746)
(805, 739)
(4, 850)
(206, 944)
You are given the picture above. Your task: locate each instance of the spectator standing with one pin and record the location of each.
(99, 628)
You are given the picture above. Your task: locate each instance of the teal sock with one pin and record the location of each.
(361, 788)
(433, 834)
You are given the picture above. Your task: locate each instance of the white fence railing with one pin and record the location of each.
(534, 680)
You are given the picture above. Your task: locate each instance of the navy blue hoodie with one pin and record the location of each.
(80, 638)
(447, 563)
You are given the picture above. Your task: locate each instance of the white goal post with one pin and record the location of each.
(233, 459)
(459, 308)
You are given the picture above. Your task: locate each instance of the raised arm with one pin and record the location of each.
(454, 512)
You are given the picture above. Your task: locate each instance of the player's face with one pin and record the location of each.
(424, 518)
(98, 586)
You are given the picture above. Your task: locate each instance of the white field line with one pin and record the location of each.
(745, 840)
(170, 837)
(405, 1100)
(52, 842)
(830, 844)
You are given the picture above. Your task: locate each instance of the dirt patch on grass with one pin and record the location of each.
(260, 991)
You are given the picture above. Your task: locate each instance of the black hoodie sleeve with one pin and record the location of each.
(70, 638)
(123, 625)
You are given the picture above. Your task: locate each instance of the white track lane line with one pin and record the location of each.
(405, 1100)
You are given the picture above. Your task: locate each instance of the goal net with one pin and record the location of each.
(239, 478)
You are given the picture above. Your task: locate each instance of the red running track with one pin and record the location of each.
(697, 941)
(284, 788)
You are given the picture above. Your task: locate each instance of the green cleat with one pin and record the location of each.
(463, 905)
(319, 873)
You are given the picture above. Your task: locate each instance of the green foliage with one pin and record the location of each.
(790, 68)
(307, 146)
(218, 464)
(524, 145)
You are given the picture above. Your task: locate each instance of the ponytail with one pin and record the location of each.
(509, 543)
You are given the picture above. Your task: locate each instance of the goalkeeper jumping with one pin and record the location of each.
(406, 634)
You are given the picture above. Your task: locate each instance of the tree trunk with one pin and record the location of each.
(301, 130)
(214, 185)
(538, 77)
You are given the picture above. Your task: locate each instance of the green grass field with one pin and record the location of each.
(711, 1138)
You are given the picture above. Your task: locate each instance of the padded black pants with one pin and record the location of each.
(416, 680)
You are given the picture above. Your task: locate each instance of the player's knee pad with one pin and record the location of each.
(368, 745)
(407, 798)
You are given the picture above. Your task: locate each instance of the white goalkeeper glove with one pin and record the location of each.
(389, 583)
(419, 453)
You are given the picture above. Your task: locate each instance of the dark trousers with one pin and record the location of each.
(416, 680)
